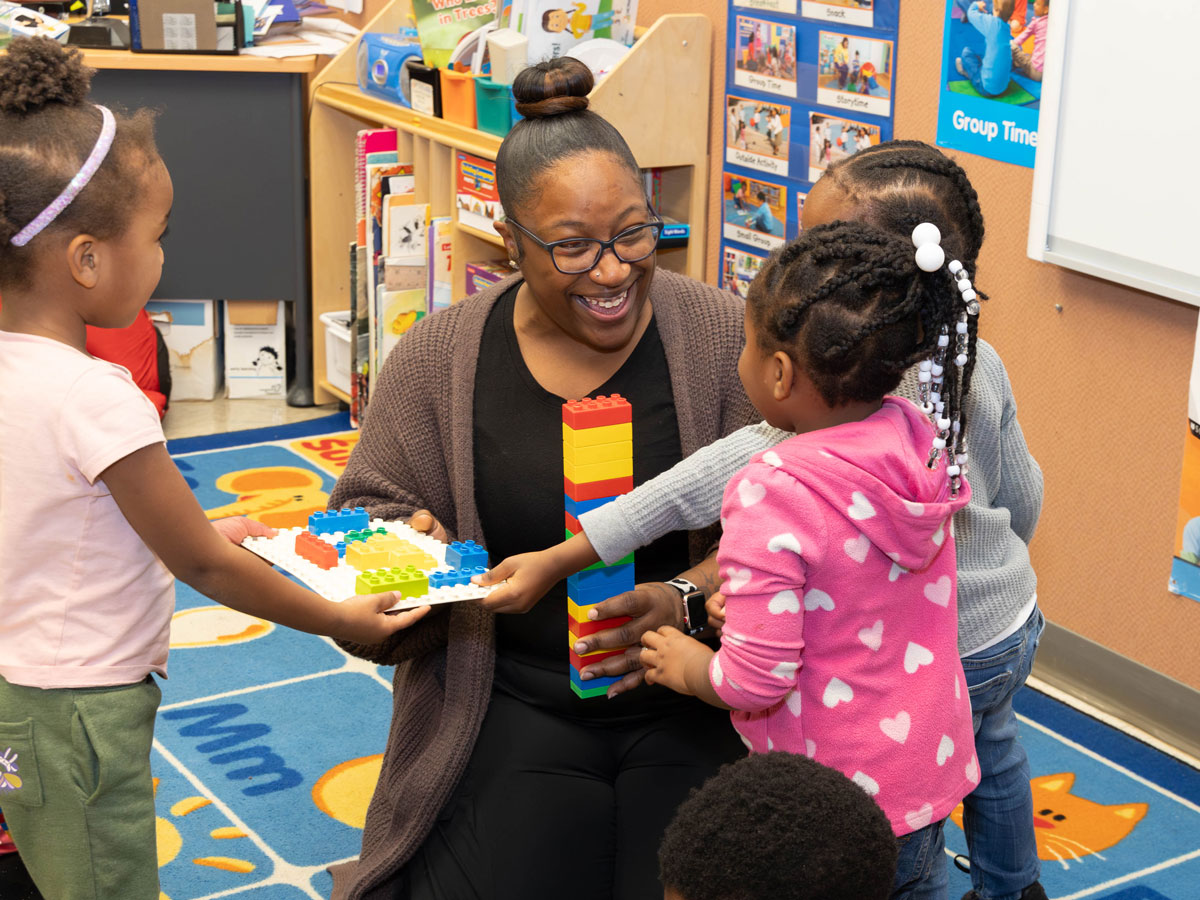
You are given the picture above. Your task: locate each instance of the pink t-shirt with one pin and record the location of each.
(85, 603)
(841, 632)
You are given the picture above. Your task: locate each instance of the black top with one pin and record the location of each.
(519, 494)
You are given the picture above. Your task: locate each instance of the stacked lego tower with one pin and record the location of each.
(597, 467)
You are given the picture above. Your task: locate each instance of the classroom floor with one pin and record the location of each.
(191, 418)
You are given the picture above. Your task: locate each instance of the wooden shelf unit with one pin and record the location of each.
(657, 97)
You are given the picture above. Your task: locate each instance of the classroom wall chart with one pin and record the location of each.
(807, 83)
(993, 52)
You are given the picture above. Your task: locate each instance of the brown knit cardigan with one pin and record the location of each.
(416, 451)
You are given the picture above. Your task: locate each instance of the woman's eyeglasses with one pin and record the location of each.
(573, 256)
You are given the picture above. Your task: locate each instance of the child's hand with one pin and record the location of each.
(425, 522)
(715, 607)
(236, 529)
(529, 576)
(364, 618)
(674, 660)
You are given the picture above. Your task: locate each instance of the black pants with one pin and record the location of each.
(554, 808)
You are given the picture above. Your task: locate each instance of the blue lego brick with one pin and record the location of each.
(614, 578)
(454, 577)
(466, 555)
(341, 549)
(343, 520)
(579, 507)
(603, 682)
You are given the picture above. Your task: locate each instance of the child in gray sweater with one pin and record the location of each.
(893, 185)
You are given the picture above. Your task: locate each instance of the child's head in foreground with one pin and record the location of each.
(778, 826)
(84, 194)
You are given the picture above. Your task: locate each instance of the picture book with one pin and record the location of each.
(370, 144)
(439, 246)
(476, 196)
(441, 24)
(405, 227)
(383, 179)
(400, 310)
(484, 274)
(555, 26)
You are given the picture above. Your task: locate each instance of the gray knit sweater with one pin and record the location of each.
(995, 578)
(416, 451)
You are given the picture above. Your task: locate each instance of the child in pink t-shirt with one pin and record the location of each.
(840, 639)
(96, 521)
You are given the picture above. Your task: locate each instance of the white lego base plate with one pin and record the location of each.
(339, 583)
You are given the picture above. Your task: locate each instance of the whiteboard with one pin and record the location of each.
(1116, 183)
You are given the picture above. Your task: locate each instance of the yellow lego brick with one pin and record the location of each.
(363, 557)
(579, 474)
(597, 453)
(578, 612)
(572, 639)
(603, 434)
(386, 542)
(413, 556)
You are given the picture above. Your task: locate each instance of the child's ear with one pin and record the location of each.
(783, 373)
(83, 260)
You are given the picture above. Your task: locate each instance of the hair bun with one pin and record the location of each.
(39, 71)
(553, 87)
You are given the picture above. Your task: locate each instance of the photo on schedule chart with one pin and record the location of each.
(764, 57)
(787, 7)
(758, 134)
(800, 198)
(831, 138)
(755, 212)
(847, 12)
(855, 73)
(738, 269)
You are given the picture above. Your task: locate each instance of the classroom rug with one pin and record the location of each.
(269, 741)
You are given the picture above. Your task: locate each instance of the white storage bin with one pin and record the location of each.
(337, 349)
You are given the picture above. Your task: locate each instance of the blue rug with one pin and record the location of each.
(268, 742)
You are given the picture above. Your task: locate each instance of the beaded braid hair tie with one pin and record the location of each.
(931, 372)
(108, 130)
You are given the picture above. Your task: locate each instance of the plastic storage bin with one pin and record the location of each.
(493, 109)
(337, 349)
(458, 97)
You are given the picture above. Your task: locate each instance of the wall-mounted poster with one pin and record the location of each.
(855, 73)
(787, 7)
(758, 134)
(848, 12)
(755, 212)
(1185, 563)
(993, 53)
(738, 269)
(831, 138)
(765, 56)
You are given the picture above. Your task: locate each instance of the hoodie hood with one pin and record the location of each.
(897, 502)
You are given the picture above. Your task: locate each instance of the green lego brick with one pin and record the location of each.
(600, 565)
(589, 692)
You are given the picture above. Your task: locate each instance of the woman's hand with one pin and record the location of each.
(677, 661)
(425, 522)
(649, 606)
(365, 619)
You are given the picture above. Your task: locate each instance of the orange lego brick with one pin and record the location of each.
(592, 412)
(594, 490)
(315, 550)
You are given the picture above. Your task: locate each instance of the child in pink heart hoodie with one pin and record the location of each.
(840, 639)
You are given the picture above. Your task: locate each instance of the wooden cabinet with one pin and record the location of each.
(657, 97)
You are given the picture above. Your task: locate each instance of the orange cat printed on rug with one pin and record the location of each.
(1068, 826)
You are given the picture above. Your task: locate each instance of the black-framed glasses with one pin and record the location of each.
(574, 256)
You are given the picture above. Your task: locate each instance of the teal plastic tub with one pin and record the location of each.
(493, 108)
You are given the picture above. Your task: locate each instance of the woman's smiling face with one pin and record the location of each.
(586, 195)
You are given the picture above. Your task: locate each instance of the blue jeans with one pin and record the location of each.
(921, 872)
(998, 814)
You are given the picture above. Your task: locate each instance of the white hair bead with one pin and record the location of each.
(939, 443)
(926, 233)
(930, 256)
(927, 408)
(960, 327)
(968, 295)
(955, 267)
(953, 471)
(964, 285)
(937, 371)
(943, 424)
(960, 360)
(924, 377)
(943, 340)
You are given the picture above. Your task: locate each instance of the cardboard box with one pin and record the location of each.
(192, 332)
(255, 348)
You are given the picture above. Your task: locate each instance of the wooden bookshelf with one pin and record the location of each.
(657, 97)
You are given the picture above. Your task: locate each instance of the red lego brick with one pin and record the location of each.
(583, 629)
(594, 490)
(579, 662)
(602, 410)
(573, 525)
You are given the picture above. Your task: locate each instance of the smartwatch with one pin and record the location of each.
(695, 616)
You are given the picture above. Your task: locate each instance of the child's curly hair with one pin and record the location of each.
(47, 130)
(778, 826)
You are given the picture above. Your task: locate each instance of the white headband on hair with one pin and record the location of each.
(108, 129)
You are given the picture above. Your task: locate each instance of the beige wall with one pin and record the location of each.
(1101, 386)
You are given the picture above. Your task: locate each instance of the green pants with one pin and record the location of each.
(76, 789)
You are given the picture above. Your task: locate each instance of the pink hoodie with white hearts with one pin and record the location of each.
(841, 631)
